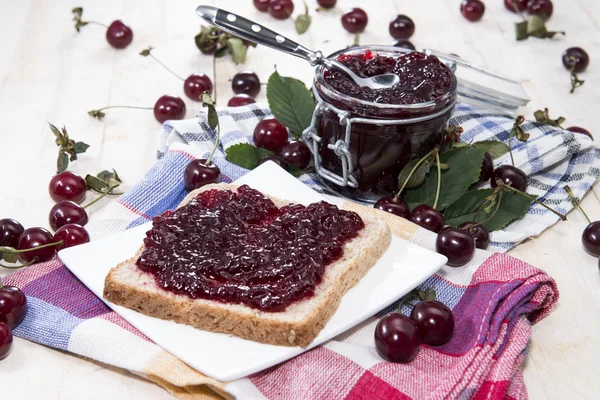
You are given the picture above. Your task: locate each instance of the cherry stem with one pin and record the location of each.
(487, 200)
(165, 67)
(15, 251)
(512, 159)
(133, 107)
(514, 3)
(439, 179)
(561, 216)
(107, 192)
(493, 214)
(217, 140)
(412, 171)
(96, 23)
(576, 203)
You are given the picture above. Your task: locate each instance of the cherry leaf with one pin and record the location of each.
(417, 177)
(238, 50)
(247, 156)
(495, 148)
(80, 147)
(62, 162)
(96, 183)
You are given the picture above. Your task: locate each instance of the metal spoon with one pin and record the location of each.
(256, 33)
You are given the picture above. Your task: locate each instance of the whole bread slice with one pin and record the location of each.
(297, 325)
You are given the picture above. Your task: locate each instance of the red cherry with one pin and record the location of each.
(591, 238)
(397, 338)
(270, 134)
(67, 212)
(281, 9)
(261, 5)
(67, 186)
(508, 174)
(119, 35)
(275, 158)
(195, 85)
(240, 100)
(13, 306)
(393, 206)
(327, 4)
(576, 59)
(296, 153)
(434, 321)
(355, 20)
(246, 82)
(521, 5)
(543, 7)
(10, 230)
(34, 237)
(169, 107)
(402, 27)
(427, 217)
(71, 235)
(456, 245)
(479, 233)
(472, 9)
(197, 174)
(6, 339)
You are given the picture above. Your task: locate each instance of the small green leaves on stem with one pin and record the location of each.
(99, 114)
(105, 182)
(519, 133)
(77, 13)
(290, 102)
(213, 122)
(146, 52)
(543, 117)
(575, 202)
(238, 50)
(416, 295)
(247, 156)
(214, 40)
(535, 26)
(303, 21)
(413, 174)
(67, 148)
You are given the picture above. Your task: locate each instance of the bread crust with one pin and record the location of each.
(297, 325)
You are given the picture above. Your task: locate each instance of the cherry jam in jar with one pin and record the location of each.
(361, 137)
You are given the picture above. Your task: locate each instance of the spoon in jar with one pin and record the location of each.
(256, 33)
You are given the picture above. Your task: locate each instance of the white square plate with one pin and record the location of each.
(225, 357)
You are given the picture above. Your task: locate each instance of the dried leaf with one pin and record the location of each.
(62, 162)
(146, 52)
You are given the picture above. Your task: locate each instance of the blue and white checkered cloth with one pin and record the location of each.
(551, 158)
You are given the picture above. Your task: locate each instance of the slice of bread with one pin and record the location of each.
(297, 325)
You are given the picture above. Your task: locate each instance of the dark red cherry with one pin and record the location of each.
(270, 134)
(543, 7)
(169, 107)
(197, 174)
(508, 174)
(119, 35)
(67, 186)
(10, 230)
(281, 9)
(479, 233)
(402, 27)
(246, 82)
(579, 129)
(427, 217)
(434, 321)
(67, 212)
(261, 5)
(34, 237)
(296, 153)
(576, 59)
(591, 238)
(487, 168)
(393, 206)
(13, 306)
(355, 20)
(71, 235)
(515, 5)
(240, 100)
(472, 9)
(195, 85)
(456, 245)
(6, 339)
(275, 158)
(327, 3)
(397, 338)
(405, 44)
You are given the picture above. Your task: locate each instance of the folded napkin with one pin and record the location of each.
(495, 298)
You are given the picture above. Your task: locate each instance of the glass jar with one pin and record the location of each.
(360, 147)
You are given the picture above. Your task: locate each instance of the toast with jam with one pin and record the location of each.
(232, 260)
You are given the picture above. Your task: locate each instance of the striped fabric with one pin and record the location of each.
(495, 298)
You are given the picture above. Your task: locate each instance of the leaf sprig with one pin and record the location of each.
(543, 117)
(535, 26)
(104, 182)
(67, 148)
(303, 21)
(220, 43)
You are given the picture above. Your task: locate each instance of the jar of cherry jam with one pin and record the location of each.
(361, 138)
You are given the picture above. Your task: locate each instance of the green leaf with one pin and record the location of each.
(238, 50)
(521, 30)
(465, 166)
(62, 162)
(80, 147)
(213, 117)
(96, 183)
(495, 148)
(543, 116)
(456, 145)
(417, 177)
(9, 257)
(56, 132)
(105, 175)
(247, 156)
(302, 23)
(290, 102)
(146, 52)
(535, 26)
(513, 206)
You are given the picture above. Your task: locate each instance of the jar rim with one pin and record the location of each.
(331, 92)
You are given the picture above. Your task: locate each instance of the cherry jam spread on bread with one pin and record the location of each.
(240, 248)
(422, 78)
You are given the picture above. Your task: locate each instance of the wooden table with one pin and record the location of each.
(50, 73)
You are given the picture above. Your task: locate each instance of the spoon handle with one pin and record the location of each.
(250, 30)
